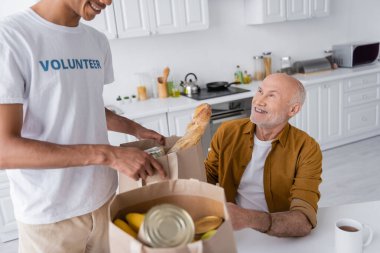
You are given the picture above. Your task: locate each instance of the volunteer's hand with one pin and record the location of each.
(144, 133)
(238, 216)
(135, 163)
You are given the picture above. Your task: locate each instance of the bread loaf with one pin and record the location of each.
(195, 129)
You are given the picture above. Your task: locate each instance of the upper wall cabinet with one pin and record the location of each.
(136, 18)
(270, 11)
(320, 8)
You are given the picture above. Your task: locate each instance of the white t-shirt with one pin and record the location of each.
(250, 194)
(58, 74)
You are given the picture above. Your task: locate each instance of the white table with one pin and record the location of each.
(321, 239)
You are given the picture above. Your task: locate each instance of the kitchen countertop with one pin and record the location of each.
(339, 73)
(156, 106)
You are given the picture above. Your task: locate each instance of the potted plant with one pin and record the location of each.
(127, 99)
(120, 100)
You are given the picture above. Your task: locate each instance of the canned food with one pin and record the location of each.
(156, 151)
(167, 226)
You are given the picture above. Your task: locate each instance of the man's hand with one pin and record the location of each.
(281, 224)
(135, 163)
(144, 133)
(239, 216)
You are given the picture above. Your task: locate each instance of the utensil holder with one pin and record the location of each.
(162, 90)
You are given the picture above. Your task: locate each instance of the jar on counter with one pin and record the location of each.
(267, 59)
(258, 68)
(286, 62)
(141, 92)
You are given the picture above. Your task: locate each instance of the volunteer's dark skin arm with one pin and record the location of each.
(19, 152)
(284, 224)
(124, 125)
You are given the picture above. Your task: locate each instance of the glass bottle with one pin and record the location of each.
(258, 68)
(246, 77)
(239, 75)
(267, 59)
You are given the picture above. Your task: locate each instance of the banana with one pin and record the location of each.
(208, 234)
(125, 227)
(135, 220)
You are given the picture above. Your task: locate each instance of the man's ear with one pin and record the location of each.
(294, 109)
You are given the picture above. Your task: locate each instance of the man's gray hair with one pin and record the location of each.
(300, 95)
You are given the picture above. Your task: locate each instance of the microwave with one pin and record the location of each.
(355, 54)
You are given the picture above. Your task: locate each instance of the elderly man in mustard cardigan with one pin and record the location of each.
(269, 169)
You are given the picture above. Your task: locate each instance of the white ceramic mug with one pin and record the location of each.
(349, 235)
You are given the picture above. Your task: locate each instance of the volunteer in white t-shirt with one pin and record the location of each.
(53, 127)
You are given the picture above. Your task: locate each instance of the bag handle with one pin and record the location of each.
(195, 247)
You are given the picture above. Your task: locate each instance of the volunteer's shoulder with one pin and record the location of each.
(12, 23)
(95, 33)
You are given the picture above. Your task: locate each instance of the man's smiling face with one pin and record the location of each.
(271, 105)
(87, 9)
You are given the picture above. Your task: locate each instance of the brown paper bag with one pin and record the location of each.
(199, 199)
(184, 164)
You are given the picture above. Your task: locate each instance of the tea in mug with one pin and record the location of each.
(349, 229)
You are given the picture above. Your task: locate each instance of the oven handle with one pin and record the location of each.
(220, 120)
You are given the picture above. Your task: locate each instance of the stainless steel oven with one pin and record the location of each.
(225, 112)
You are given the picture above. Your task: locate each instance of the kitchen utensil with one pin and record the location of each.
(165, 74)
(219, 85)
(190, 86)
(162, 83)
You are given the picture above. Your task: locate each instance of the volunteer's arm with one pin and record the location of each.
(124, 125)
(19, 152)
(282, 224)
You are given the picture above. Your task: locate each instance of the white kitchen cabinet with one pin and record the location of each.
(331, 111)
(362, 119)
(270, 11)
(320, 8)
(8, 224)
(178, 121)
(361, 103)
(341, 111)
(264, 11)
(297, 9)
(157, 123)
(308, 119)
(132, 18)
(304, 9)
(136, 18)
(195, 15)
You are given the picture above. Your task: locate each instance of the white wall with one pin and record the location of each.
(213, 54)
